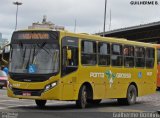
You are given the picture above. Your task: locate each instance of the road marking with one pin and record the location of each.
(3, 107)
(14, 106)
(6, 100)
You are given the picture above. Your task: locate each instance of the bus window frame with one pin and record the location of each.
(158, 57)
(128, 45)
(149, 58)
(93, 41)
(135, 57)
(113, 43)
(74, 46)
(103, 54)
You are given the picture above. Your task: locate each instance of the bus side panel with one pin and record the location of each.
(95, 77)
(147, 84)
(71, 84)
(68, 86)
(118, 80)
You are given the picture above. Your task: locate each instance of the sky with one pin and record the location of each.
(88, 14)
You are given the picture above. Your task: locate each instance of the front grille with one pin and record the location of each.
(32, 92)
(30, 77)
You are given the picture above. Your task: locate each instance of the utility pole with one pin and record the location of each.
(110, 21)
(75, 25)
(104, 27)
(18, 4)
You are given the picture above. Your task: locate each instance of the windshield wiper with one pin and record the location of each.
(24, 55)
(28, 62)
(39, 48)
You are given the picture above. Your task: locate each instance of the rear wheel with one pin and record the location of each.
(82, 97)
(131, 96)
(41, 103)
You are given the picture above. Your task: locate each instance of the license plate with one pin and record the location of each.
(26, 94)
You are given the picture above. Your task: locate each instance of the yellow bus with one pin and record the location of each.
(60, 65)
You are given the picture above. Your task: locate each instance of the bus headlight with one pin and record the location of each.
(53, 84)
(49, 86)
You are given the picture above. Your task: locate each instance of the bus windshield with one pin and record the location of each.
(42, 58)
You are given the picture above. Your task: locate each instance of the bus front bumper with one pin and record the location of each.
(51, 94)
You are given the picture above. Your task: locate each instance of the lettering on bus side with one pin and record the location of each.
(96, 74)
(110, 76)
(101, 75)
(149, 73)
(123, 75)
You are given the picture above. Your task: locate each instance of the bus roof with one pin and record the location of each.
(109, 39)
(97, 37)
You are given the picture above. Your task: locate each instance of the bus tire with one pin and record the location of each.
(40, 103)
(82, 97)
(94, 102)
(131, 96)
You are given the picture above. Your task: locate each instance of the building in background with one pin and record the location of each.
(3, 41)
(46, 25)
(144, 33)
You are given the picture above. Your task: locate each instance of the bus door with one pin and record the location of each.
(69, 65)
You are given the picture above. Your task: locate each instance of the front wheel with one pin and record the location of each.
(82, 97)
(131, 96)
(40, 103)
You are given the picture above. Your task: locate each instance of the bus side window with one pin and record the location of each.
(128, 53)
(150, 57)
(158, 56)
(88, 52)
(117, 58)
(69, 63)
(139, 57)
(74, 57)
(103, 53)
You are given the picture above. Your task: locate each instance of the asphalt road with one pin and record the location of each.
(60, 109)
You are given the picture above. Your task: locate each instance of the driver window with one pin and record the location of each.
(74, 56)
(69, 60)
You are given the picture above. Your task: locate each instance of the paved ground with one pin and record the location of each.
(62, 109)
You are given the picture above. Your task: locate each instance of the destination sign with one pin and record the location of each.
(33, 36)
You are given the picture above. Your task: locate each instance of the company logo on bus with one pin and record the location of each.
(110, 76)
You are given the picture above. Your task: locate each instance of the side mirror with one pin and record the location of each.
(69, 54)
